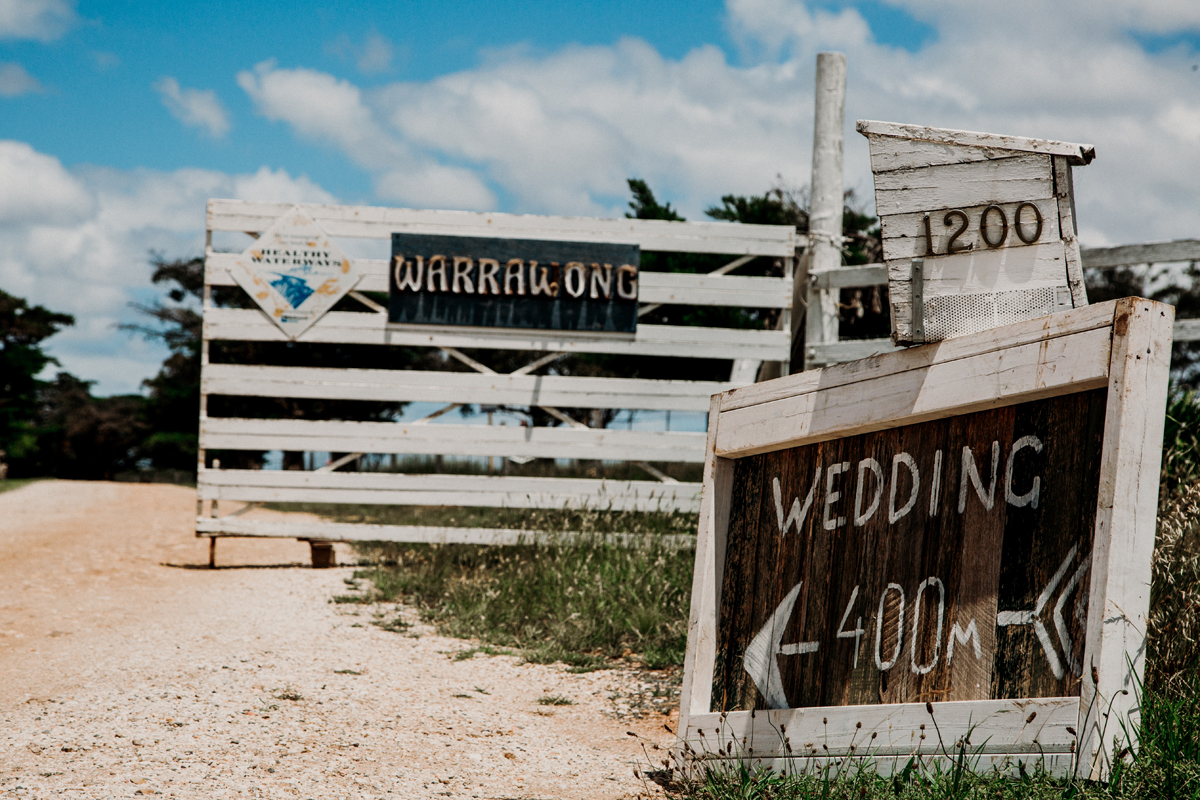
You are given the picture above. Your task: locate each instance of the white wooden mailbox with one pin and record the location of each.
(978, 229)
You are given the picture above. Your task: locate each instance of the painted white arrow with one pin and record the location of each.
(761, 660)
(1006, 618)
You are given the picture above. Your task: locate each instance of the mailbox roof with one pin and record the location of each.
(1076, 153)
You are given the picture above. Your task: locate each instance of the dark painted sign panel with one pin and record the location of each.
(513, 283)
(948, 560)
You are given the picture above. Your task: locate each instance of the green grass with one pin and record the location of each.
(1166, 767)
(585, 603)
(555, 700)
(16, 483)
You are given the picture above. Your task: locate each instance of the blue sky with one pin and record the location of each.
(99, 105)
(118, 120)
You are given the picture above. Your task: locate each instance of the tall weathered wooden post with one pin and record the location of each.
(825, 209)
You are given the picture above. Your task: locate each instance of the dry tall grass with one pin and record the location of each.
(1174, 629)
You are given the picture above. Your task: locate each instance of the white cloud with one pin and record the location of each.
(198, 108)
(374, 55)
(560, 132)
(15, 81)
(36, 187)
(77, 241)
(325, 109)
(36, 19)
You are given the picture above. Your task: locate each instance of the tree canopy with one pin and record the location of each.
(22, 330)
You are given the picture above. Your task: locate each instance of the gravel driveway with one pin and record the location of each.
(127, 668)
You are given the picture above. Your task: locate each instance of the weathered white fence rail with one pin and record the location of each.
(822, 347)
(746, 349)
(370, 488)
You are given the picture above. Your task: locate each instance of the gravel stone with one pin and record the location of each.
(127, 668)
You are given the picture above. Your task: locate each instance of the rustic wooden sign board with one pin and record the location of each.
(513, 283)
(979, 229)
(295, 272)
(967, 525)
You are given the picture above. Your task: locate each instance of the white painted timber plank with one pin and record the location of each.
(1042, 369)
(890, 153)
(1123, 544)
(650, 340)
(1187, 330)
(1034, 725)
(849, 276)
(846, 350)
(221, 433)
(1065, 193)
(983, 271)
(653, 287)
(700, 656)
(1079, 153)
(1008, 180)
(904, 234)
(366, 532)
(1150, 253)
(714, 290)
(460, 387)
(371, 488)
(1099, 315)
(380, 223)
(1011, 765)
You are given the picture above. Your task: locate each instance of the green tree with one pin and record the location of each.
(22, 330)
(84, 437)
(645, 206)
(173, 402)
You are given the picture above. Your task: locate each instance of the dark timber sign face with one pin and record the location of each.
(954, 538)
(513, 283)
(939, 561)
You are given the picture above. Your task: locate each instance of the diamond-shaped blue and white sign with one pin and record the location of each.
(295, 272)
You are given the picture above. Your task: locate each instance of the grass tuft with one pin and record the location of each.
(585, 603)
(471, 652)
(555, 700)
(16, 483)
(352, 599)
(396, 624)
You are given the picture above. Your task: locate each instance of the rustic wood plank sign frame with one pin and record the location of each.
(1101, 371)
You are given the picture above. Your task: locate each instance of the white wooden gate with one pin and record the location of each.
(747, 350)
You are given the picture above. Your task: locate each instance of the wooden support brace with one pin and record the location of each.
(323, 556)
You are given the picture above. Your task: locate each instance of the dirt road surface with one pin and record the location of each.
(127, 668)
